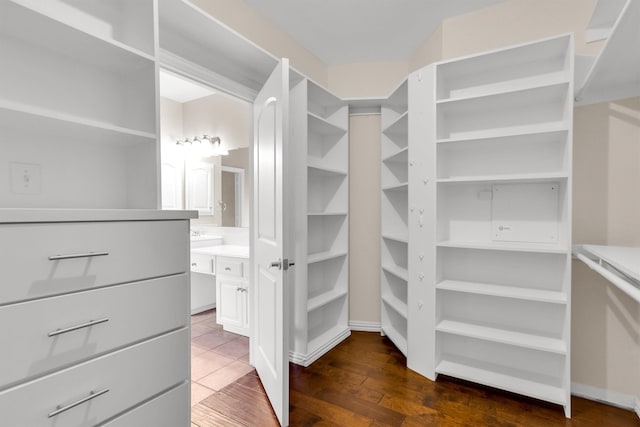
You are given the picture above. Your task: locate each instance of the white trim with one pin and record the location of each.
(203, 308)
(238, 186)
(610, 397)
(185, 68)
(358, 325)
(638, 407)
(307, 359)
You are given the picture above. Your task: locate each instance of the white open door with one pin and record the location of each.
(270, 317)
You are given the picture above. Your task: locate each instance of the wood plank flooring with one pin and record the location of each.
(364, 382)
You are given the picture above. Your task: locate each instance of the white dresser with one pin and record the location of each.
(94, 317)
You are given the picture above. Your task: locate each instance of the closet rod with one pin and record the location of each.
(624, 285)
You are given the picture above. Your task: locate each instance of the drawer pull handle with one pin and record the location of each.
(92, 395)
(74, 328)
(71, 256)
(227, 269)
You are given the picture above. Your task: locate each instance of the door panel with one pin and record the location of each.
(270, 337)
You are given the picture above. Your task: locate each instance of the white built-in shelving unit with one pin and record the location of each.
(394, 177)
(79, 199)
(78, 104)
(503, 218)
(614, 72)
(490, 143)
(320, 158)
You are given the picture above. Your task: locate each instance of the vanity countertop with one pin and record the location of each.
(235, 251)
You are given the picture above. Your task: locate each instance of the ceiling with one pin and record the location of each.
(347, 31)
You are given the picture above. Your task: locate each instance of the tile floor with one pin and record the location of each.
(218, 358)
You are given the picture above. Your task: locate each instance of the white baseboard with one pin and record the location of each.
(307, 359)
(203, 308)
(357, 325)
(638, 406)
(610, 397)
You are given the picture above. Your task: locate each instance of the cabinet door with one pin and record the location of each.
(171, 186)
(199, 180)
(245, 306)
(230, 309)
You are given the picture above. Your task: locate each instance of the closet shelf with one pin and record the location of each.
(404, 186)
(396, 337)
(395, 303)
(516, 381)
(337, 213)
(506, 246)
(520, 178)
(399, 272)
(400, 156)
(618, 264)
(23, 117)
(318, 166)
(321, 126)
(603, 19)
(615, 73)
(503, 336)
(510, 87)
(509, 133)
(514, 292)
(397, 238)
(399, 127)
(325, 256)
(325, 298)
(66, 39)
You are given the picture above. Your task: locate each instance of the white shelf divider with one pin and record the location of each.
(524, 178)
(394, 302)
(401, 273)
(506, 246)
(502, 291)
(325, 298)
(503, 336)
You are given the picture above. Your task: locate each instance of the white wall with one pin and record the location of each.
(364, 220)
(366, 79)
(606, 322)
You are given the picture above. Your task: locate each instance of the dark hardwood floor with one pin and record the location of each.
(364, 382)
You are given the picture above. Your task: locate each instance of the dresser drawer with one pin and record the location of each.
(171, 409)
(128, 313)
(230, 267)
(131, 376)
(34, 262)
(203, 263)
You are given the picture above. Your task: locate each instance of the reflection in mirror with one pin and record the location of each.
(235, 191)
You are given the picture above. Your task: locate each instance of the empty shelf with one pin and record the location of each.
(619, 265)
(530, 177)
(529, 294)
(506, 246)
(395, 303)
(503, 336)
(325, 298)
(399, 272)
(324, 256)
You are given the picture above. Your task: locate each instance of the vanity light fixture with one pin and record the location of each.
(209, 145)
